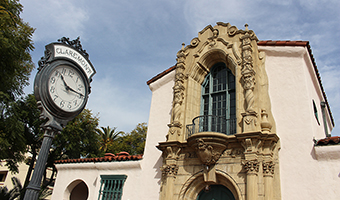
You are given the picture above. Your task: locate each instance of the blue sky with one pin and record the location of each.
(131, 41)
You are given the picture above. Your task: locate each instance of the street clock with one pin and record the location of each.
(62, 84)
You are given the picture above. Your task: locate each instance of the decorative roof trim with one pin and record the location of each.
(304, 44)
(109, 157)
(160, 75)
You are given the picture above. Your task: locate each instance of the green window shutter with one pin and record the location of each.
(111, 187)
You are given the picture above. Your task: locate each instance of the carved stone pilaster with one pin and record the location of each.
(268, 174)
(251, 166)
(252, 169)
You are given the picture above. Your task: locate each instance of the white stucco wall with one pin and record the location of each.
(143, 177)
(292, 87)
(159, 118)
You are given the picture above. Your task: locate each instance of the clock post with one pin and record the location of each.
(61, 87)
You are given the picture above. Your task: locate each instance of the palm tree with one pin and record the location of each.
(108, 135)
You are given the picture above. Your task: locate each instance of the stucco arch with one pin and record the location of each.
(72, 186)
(194, 185)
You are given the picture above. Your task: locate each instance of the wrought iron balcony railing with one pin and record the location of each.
(211, 123)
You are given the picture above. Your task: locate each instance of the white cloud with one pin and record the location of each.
(131, 41)
(54, 19)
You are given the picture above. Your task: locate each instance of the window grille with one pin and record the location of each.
(111, 187)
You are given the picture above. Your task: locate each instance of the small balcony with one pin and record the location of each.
(211, 123)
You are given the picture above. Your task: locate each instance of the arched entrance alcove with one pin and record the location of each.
(77, 190)
(195, 185)
(215, 192)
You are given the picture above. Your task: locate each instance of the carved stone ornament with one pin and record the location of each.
(178, 89)
(265, 124)
(171, 169)
(251, 166)
(248, 73)
(268, 168)
(207, 154)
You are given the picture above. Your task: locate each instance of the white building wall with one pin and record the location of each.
(291, 90)
(159, 118)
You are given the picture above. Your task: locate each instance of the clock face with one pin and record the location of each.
(66, 88)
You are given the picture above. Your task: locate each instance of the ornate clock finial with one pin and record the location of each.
(74, 43)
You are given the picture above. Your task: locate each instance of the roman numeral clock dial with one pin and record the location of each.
(66, 88)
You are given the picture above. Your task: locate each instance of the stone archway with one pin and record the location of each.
(195, 184)
(216, 192)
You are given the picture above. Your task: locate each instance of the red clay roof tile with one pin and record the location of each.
(335, 140)
(122, 156)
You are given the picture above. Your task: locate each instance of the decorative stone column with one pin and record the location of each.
(268, 175)
(169, 172)
(248, 82)
(252, 169)
(175, 125)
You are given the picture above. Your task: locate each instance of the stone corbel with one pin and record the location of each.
(207, 153)
(172, 152)
(251, 145)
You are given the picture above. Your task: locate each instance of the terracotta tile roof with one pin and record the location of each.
(160, 75)
(328, 141)
(109, 157)
(304, 44)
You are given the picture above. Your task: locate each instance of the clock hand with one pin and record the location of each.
(75, 91)
(68, 87)
(62, 78)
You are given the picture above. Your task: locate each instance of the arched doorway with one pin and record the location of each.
(77, 190)
(215, 192)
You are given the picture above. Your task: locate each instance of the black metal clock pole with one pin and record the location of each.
(61, 88)
(33, 189)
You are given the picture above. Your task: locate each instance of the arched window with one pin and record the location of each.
(218, 100)
(218, 103)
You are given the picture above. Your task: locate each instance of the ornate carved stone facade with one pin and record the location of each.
(243, 161)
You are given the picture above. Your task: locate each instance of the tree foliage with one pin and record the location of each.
(107, 137)
(132, 142)
(15, 68)
(15, 46)
(78, 139)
